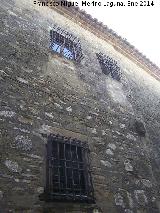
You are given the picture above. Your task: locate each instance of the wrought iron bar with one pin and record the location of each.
(68, 159)
(109, 65)
(69, 45)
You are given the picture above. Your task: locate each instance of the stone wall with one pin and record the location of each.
(43, 93)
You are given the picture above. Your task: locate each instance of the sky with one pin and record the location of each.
(140, 25)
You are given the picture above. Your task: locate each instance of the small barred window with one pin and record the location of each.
(68, 176)
(109, 66)
(65, 44)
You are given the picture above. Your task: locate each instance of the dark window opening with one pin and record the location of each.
(65, 44)
(140, 128)
(68, 175)
(109, 66)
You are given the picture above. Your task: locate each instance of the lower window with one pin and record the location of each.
(68, 176)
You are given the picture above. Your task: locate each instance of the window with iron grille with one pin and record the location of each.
(68, 176)
(109, 66)
(65, 44)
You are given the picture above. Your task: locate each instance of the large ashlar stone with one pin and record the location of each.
(109, 152)
(119, 200)
(131, 137)
(69, 109)
(128, 165)
(40, 190)
(12, 166)
(141, 197)
(106, 163)
(7, 113)
(22, 142)
(147, 183)
(112, 146)
(22, 80)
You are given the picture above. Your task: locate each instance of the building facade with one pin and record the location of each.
(79, 116)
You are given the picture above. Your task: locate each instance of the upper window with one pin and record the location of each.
(68, 176)
(109, 66)
(65, 44)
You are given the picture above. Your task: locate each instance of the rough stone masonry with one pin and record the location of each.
(43, 93)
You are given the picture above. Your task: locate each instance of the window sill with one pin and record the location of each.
(48, 197)
(62, 58)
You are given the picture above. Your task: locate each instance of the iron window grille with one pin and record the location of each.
(65, 44)
(68, 175)
(109, 66)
